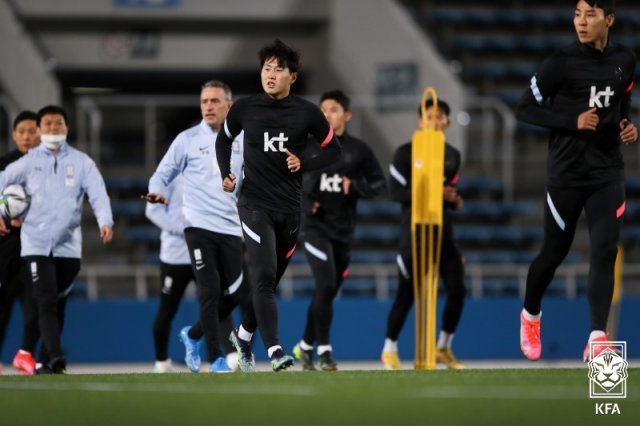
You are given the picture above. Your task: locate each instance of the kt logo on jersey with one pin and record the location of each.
(330, 183)
(600, 99)
(275, 143)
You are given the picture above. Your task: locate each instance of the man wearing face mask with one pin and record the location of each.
(56, 177)
(12, 283)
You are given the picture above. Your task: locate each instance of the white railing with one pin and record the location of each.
(137, 279)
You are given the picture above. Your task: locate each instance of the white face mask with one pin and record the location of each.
(52, 142)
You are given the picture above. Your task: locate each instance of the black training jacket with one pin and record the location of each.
(336, 216)
(573, 80)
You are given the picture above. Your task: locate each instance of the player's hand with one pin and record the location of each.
(458, 203)
(449, 194)
(293, 162)
(16, 223)
(588, 120)
(154, 198)
(229, 183)
(3, 228)
(314, 207)
(106, 233)
(346, 185)
(628, 131)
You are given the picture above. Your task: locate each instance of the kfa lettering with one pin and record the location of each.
(270, 143)
(594, 98)
(330, 183)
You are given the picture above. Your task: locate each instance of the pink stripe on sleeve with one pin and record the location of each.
(628, 89)
(328, 139)
(620, 210)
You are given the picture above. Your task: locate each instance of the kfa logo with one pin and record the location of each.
(330, 183)
(594, 98)
(607, 408)
(269, 143)
(608, 369)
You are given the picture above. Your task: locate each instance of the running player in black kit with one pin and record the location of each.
(582, 93)
(276, 126)
(329, 204)
(451, 261)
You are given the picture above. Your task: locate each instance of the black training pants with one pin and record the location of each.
(52, 280)
(329, 261)
(216, 260)
(604, 208)
(452, 274)
(270, 238)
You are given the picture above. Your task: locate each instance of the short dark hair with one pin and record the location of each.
(339, 97)
(286, 56)
(442, 106)
(607, 5)
(51, 109)
(23, 116)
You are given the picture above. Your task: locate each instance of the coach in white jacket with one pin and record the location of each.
(56, 177)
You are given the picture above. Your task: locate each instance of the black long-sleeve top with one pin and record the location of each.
(272, 126)
(570, 82)
(336, 215)
(10, 242)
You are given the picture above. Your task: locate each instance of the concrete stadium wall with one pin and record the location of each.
(120, 330)
(24, 75)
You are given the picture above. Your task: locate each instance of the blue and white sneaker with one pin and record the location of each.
(192, 350)
(246, 360)
(220, 366)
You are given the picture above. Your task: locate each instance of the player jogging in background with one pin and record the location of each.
(330, 197)
(451, 261)
(582, 93)
(13, 281)
(276, 125)
(175, 269)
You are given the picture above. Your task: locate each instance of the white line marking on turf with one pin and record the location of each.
(160, 388)
(545, 393)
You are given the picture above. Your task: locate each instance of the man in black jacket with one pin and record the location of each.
(329, 201)
(582, 93)
(25, 135)
(451, 261)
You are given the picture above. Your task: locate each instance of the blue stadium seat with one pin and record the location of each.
(495, 208)
(504, 234)
(479, 184)
(378, 208)
(510, 257)
(127, 183)
(142, 233)
(128, 208)
(377, 233)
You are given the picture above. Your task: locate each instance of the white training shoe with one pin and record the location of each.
(232, 360)
(164, 367)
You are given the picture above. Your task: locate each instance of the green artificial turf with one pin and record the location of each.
(540, 397)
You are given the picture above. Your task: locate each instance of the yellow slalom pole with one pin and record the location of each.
(614, 312)
(427, 157)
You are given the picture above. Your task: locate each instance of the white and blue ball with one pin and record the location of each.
(13, 201)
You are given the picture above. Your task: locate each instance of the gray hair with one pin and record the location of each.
(217, 83)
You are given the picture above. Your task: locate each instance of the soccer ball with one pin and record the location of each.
(13, 201)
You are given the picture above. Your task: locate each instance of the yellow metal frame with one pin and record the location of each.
(614, 312)
(427, 158)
